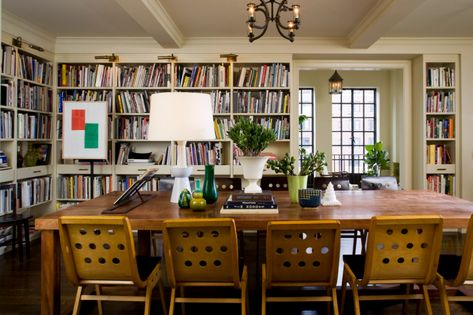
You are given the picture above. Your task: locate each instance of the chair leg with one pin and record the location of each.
(344, 293)
(427, 305)
(440, 284)
(26, 227)
(263, 290)
(76, 308)
(329, 305)
(356, 298)
(149, 293)
(173, 301)
(355, 241)
(162, 297)
(14, 238)
(99, 303)
(244, 300)
(405, 304)
(334, 301)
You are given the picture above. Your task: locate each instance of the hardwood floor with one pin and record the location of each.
(20, 289)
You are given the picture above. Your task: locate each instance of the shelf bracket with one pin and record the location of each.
(230, 57)
(112, 58)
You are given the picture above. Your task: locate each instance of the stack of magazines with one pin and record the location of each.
(239, 202)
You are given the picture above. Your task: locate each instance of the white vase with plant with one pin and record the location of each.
(251, 138)
(310, 162)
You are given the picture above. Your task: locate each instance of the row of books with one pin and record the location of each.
(444, 184)
(220, 101)
(6, 124)
(123, 152)
(34, 97)
(33, 126)
(7, 199)
(239, 202)
(275, 75)
(440, 76)
(133, 128)
(34, 191)
(84, 95)
(85, 75)
(8, 60)
(201, 75)
(440, 102)
(123, 183)
(261, 102)
(202, 153)
(133, 102)
(7, 93)
(78, 186)
(279, 125)
(154, 75)
(438, 154)
(440, 128)
(221, 127)
(35, 69)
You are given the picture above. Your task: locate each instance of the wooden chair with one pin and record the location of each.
(100, 251)
(301, 254)
(203, 253)
(454, 270)
(401, 250)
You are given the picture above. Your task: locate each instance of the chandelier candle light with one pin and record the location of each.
(271, 10)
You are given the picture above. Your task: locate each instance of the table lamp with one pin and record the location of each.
(181, 117)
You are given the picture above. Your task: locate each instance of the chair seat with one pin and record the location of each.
(146, 265)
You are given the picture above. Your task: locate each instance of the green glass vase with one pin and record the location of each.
(210, 187)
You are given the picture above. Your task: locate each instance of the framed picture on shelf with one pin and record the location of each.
(84, 129)
(44, 152)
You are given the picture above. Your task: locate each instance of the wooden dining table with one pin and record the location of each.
(356, 209)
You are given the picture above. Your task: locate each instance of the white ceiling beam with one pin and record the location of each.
(379, 20)
(154, 19)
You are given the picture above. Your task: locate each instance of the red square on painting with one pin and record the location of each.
(78, 119)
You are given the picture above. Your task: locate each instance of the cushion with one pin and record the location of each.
(379, 183)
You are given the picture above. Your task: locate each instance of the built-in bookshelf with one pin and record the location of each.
(438, 147)
(26, 124)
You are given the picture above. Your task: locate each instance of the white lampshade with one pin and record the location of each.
(181, 116)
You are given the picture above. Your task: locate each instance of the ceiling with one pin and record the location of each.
(172, 22)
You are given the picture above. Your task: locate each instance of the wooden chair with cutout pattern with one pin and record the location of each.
(100, 251)
(204, 253)
(301, 254)
(401, 250)
(453, 271)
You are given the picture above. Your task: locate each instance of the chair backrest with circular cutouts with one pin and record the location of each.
(403, 249)
(302, 252)
(201, 250)
(98, 248)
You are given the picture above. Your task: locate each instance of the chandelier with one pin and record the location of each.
(271, 10)
(335, 84)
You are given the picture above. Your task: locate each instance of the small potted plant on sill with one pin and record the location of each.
(310, 162)
(251, 138)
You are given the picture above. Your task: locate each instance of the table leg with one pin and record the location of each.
(26, 227)
(50, 273)
(144, 243)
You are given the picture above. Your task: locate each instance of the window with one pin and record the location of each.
(353, 127)
(306, 108)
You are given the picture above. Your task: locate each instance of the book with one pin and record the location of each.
(242, 201)
(249, 211)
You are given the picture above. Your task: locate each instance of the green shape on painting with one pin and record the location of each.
(91, 136)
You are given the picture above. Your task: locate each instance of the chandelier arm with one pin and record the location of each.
(264, 27)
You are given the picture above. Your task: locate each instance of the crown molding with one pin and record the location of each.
(16, 26)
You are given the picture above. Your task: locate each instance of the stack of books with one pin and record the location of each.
(239, 202)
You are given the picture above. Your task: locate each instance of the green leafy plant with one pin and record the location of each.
(310, 162)
(376, 158)
(250, 137)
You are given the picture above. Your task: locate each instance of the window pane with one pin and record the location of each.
(346, 96)
(307, 125)
(346, 138)
(336, 110)
(306, 109)
(346, 124)
(369, 138)
(336, 138)
(357, 149)
(346, 151)
(307, 96)
(369, 96)
(336, 98)
(369, 124)
(358, 124)
(346, 110)
(336, 149)
(358, 110)
(306, 139)
(358, 96)
(358, 138)
(336, 125)
(369, 110)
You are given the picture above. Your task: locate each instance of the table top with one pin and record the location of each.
(355, 211)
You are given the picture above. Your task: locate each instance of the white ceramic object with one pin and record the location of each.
(253, 167)
(330, 199)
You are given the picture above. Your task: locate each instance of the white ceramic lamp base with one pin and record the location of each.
(181, 181)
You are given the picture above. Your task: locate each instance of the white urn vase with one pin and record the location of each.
(253, 167)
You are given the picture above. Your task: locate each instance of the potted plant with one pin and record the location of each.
(312, 162)
(376, 158)
(251, 138)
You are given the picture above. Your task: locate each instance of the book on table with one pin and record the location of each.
(240, 202)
